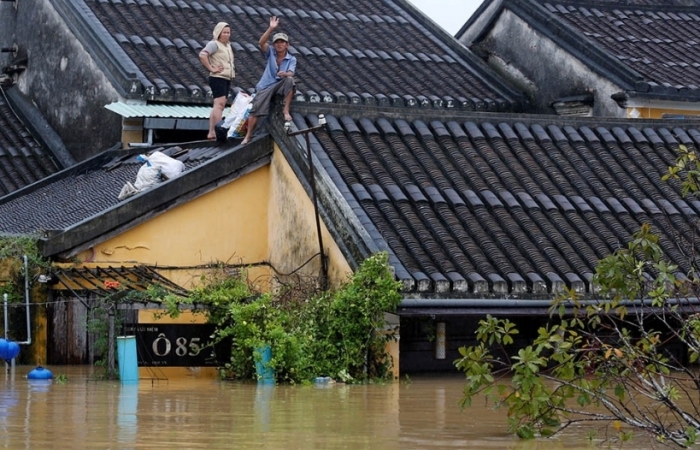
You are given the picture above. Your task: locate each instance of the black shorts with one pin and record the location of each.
(219, 87)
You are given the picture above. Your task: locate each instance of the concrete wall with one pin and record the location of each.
(61, 77)
(541, 68)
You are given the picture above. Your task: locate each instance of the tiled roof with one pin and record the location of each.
(88, 189)
(500, 206)
(365, 51)
(22, 159)
(656, 43)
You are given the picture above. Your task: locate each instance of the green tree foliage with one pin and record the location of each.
(624, 361)
(331, 333)
(12, 252)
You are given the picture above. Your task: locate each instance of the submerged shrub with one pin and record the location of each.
(328, 333)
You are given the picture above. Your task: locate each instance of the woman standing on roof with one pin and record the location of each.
(217, 58)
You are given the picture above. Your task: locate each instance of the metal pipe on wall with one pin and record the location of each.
(6, 325)
(5, 313)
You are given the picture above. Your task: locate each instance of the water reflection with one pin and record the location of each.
(209, 414)
(9, 398)
(127, 421)
(39, 385)
(263, 397)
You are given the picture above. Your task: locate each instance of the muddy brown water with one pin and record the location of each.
(419, 413)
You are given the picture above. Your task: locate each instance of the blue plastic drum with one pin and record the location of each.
(12, 350)
(40, 374)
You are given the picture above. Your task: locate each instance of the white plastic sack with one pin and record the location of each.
(169, 167)
(237, 109)
(236, 119)
(127, 191)
(147, 176)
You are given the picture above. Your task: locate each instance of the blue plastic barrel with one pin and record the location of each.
(263, 355)
(12, 350)
(40, 374)
(127, 359)
(8, 349)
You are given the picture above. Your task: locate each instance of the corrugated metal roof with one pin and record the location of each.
(169, 111)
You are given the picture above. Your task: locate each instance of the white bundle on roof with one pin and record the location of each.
(156, 166)
(169, 167)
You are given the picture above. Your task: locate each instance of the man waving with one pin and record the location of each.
(277, 79)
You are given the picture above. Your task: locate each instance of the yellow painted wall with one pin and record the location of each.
(39, 326)
(227, 225)
(185, 317)
(291, 210)
(132, 131)
(657, 113)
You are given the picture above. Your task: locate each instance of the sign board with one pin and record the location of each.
(177, 345)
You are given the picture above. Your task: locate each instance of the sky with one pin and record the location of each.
(449, 14)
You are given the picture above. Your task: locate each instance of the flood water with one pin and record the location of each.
(419, 413)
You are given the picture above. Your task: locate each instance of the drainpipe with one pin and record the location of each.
(149, 143)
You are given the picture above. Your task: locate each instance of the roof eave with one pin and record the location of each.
(120, 71)
(480, 20)
(41, 130)
(479, 307)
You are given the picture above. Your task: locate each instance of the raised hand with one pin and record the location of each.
(274, 22)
